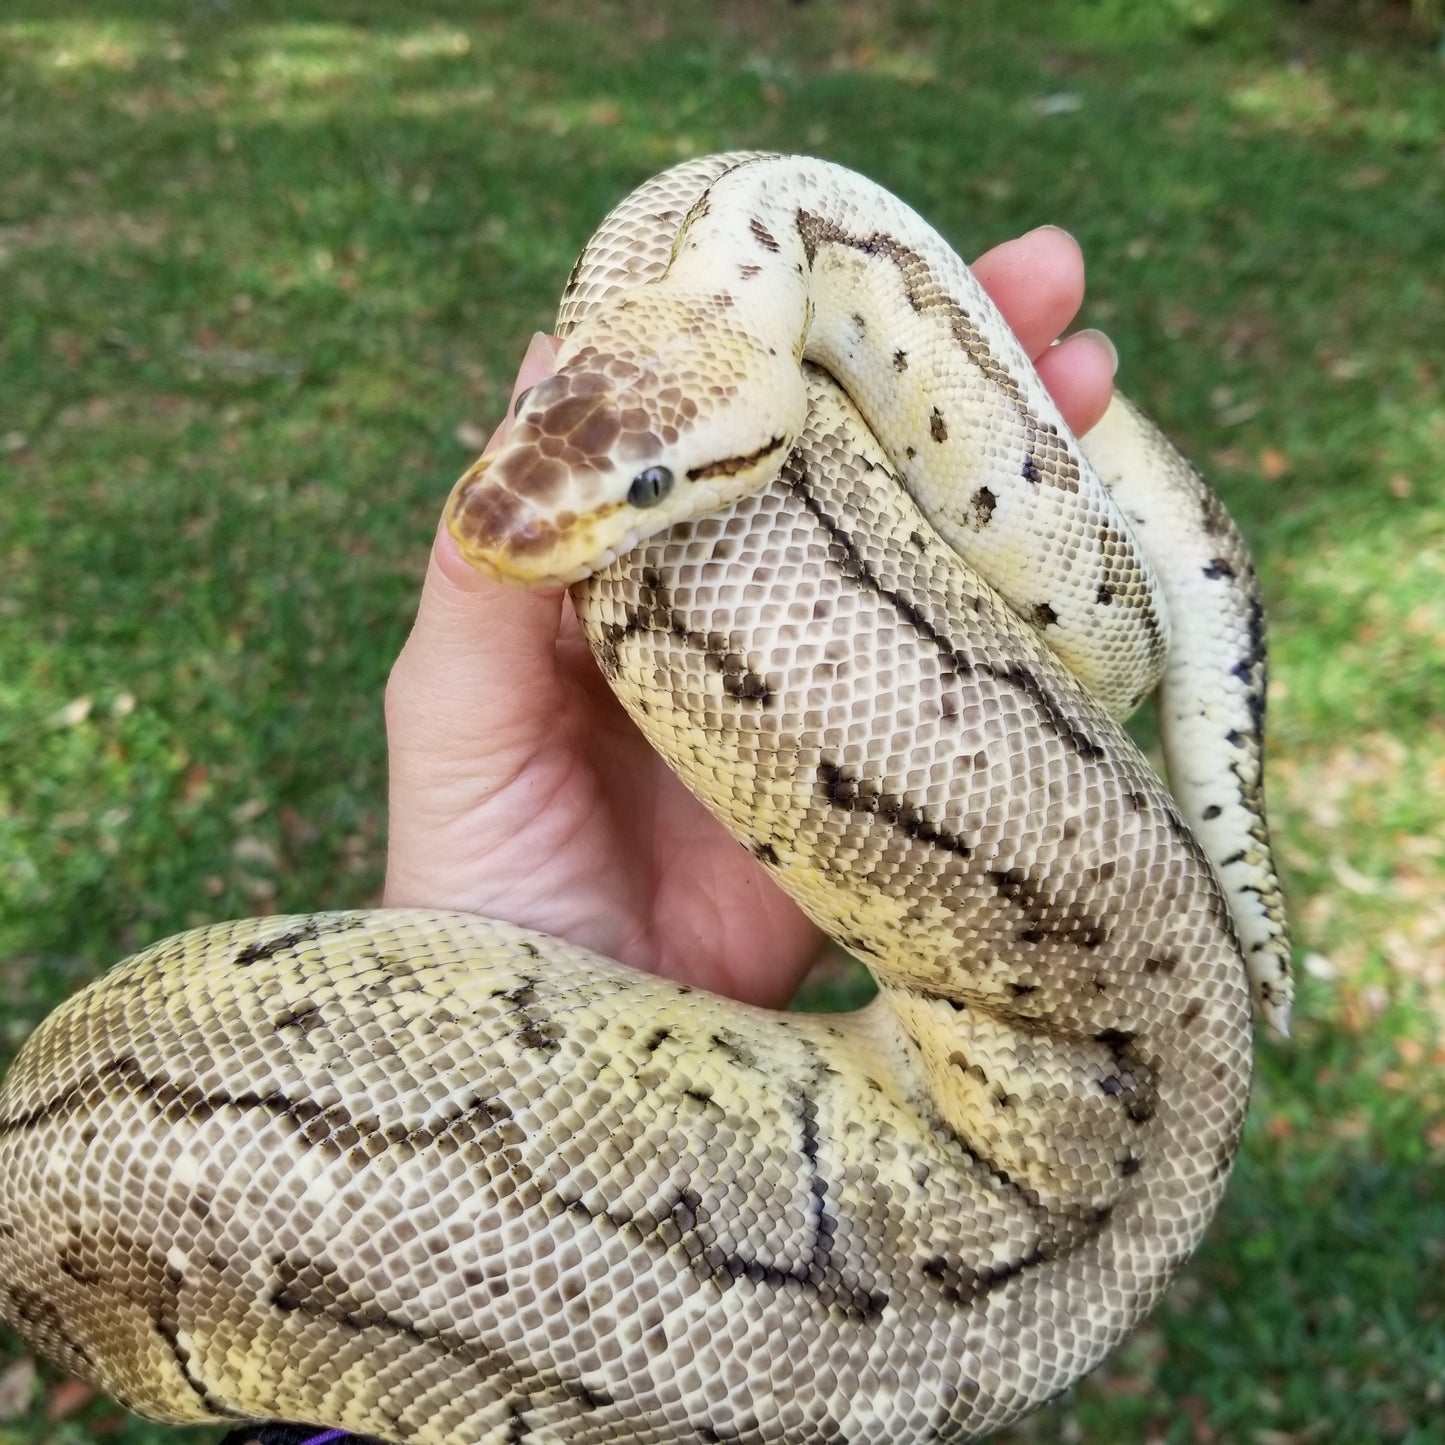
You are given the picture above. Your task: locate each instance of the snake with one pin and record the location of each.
(437, 1179)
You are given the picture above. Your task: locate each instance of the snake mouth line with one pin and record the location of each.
(731, 466)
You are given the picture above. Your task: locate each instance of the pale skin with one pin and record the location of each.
(520, 790)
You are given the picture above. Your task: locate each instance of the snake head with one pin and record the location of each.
(614, 448)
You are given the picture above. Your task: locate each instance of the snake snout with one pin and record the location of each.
(490, 521)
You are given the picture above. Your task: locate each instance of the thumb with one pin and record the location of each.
(465, 694)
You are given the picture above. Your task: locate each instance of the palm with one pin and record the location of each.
(634, 867)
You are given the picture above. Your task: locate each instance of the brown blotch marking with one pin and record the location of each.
(1216, 519)
(1104, 596)
(749, 271)
(937, 428)
(723, 301)
(740, 682)
(961, 1285)
(304, 1018)
(284, 943)
(900, 361)
(537, 1031)
(596, 433)
(1218, 569)
(1133, 1081)
(485, 515)
(964, 1065)
(654, 612)
(71, 1258)
(844, 555)
(573, 274)
(765, 237)
(1044, 615)
(1050, 710)
(685, 1223)
(1046, 918)
(857, 795)
(318, 1289)
(984, 503)
(731, 1046)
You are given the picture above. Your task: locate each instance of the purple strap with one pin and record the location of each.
(326, 1437)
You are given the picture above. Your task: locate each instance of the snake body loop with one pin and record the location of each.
(441, 1181)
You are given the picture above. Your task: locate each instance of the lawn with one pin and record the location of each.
(266, 272)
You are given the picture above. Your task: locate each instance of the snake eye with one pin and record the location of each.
(521, 400)
(649, 487)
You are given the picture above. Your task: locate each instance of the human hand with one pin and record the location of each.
(520, 789)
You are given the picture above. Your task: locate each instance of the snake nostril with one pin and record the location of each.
(649, 487)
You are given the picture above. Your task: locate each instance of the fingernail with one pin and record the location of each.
(538, 360)
(1060, 230)
(540, 351)
(1104, 344)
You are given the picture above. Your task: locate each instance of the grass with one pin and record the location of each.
(267, 265)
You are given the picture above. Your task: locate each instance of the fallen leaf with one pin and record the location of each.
(1061, 102)
(17, 1385)
(74, 712)
(257, 851)
(1274, 464)
(472, 436)
(68, 1397)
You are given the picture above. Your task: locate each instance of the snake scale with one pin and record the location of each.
(435, 1179)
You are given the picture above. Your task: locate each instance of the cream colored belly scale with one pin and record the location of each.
(435, 1179)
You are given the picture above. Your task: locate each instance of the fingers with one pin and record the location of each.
(1079, 374)
(1037, 282)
